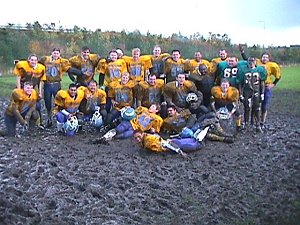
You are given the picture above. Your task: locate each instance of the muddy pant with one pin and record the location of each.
(124, 130)
(11, 122)
(187, 144)
(251, 103)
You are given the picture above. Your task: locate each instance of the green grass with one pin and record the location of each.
(8, 83)
(290, 81)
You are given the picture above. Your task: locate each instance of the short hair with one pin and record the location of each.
(32, 55)
(84, 48)
(56, 49)
(72, 85)
(28, 83)
(158, 108)
(93, 81)
(224, 80)
(175, 50)
(172, 106)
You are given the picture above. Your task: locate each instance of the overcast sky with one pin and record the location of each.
(272, 22)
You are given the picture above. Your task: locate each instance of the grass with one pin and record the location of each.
(290, 81)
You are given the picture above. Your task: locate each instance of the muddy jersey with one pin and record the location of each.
(28, 73)
(173, 68)
(91, 100)
(204, 83)
(273, 69)
(149, 94)
(63, 100)
(157, 63)
(55, 68)
(152, 142)
(138, 69)
(175, 123)
(220, 98)
(146, 120)
(214, 63)
(85, 66)
(122, 93)
(176, 94)
(250, 78)
(20, 101)
(193, 64)
(230, 73)
(112, 71)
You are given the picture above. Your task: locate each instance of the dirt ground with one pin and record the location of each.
(48, 179)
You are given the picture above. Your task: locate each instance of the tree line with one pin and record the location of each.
(18, 42)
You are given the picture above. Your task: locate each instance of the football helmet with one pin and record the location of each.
(71, 125)
(97, 120)
(191, 97)
(128, 113)
(223, 113)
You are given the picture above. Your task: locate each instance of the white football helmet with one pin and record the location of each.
(97, 120)
(128, 113)
(223, 113)
(191, 97)
(71, 124)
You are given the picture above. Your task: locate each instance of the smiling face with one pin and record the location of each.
(28, 87)
(33, 60)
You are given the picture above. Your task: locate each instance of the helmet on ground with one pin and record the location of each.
(71, 125)
(191, 97)
(128, 113)
(97, 120)
(223, 113)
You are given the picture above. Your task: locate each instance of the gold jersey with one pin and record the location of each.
(28, 73)
(138, 69)
(55, 68)
(91, 100)
(85, 66)
(273, 69)
(177, 94)
(21, 101)
(149, 94)
(146, 120)
(122, 93)
(193, 64)
(112, 71)
(63, 100)
(219, 97)
(152, 142)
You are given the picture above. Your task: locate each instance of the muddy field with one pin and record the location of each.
(48, 179)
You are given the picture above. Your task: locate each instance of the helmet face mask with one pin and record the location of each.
(223, 113)
(71, 125)
(191, 97)
(97, 120)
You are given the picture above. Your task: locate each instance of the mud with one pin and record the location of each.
(48, 179)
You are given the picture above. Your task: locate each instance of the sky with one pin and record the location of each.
(268, 23)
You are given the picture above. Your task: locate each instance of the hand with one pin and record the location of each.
(262, 97)
(241, 48)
